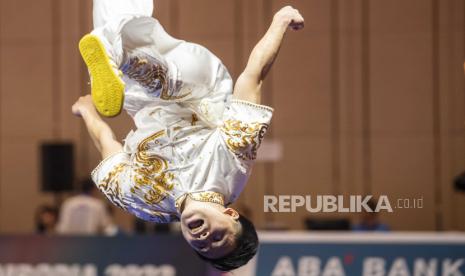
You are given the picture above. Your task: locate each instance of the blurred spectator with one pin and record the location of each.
(369, 221)
(112, 229)
(140, 226)
(83, 214)
(327, 224)
(46, 219)
(143, 227)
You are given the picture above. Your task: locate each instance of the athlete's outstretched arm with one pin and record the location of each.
(101, 134)
(249, 83)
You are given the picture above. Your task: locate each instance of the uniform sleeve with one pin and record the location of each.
(244, 127)
(138, 188)
(109, 176)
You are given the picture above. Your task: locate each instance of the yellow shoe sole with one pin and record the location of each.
(107, 86)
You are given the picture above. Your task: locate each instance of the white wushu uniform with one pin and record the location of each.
(192, 139)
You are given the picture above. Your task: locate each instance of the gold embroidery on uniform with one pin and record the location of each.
(244, 139)
(166, 96)
(110, 186)
(208, 196)
(195, 119)
(158, 217)
(147, 77)
(150, 172)
(205, 196)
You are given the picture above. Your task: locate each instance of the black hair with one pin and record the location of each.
(44, 209)
(246, 248)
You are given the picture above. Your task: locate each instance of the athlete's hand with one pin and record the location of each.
(291, 17)
(83, 105)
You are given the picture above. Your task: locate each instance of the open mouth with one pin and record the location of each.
(195, 225)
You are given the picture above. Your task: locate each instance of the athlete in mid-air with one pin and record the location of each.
(196, 138)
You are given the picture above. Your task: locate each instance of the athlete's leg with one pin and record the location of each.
(122, 26)
(129, 24)
(107, 10)
(148, 32)
(156, 66)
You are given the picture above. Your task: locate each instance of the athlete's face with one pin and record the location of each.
(210, 231)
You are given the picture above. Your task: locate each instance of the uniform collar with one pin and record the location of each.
(204, 196)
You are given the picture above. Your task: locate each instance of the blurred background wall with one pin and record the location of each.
(369, 99)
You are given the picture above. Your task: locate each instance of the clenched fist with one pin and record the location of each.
(83, 105)
(291, 17)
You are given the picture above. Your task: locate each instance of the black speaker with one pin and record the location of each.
(459, 182)
(57, 167)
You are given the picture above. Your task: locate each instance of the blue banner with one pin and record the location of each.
(281, 254)
(343, 254)
(92, 256)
